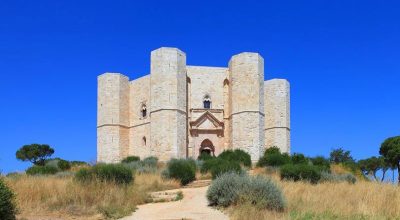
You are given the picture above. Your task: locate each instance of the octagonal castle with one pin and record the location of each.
(180, 111)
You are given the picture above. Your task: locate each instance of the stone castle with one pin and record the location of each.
(180, 111)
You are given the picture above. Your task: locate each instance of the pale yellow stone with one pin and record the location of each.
(246, 112)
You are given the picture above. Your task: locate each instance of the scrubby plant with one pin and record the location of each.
(263, 193)
(225, 189)
(141, 167)
(8, 208)
(150, 161)
(302, 172)
(64, 165)
(332, 177)
(78, 163)
(298, 158)
(183, 170)
(237, 155)
(274, 160)
(272, 150)
(218, 166)
(232, 188)
(321, 162)
(107, 173)
(205, 156)
(41, 170)
(130, 159)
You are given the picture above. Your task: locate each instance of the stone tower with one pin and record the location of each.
(168, 129)
(112, 117)
(246, 74)
(277, 114)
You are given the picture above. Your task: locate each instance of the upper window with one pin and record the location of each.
(207, 102)
(143, 111)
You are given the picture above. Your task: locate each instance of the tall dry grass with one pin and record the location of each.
(55, 196)
(363, 200)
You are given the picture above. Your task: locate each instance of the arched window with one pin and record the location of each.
(207, 102)
(143, 111)
(144, 141)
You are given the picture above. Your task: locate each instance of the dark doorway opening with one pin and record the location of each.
(207, 147)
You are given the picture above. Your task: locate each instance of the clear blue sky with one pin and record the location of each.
(341, 58)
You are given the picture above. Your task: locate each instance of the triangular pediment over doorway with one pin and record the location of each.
(207, 121)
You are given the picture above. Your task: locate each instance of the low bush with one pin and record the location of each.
(232, 188)
(64, 165)
(205, 156)
(150, 161)
(302, 172)
(321, 162)
(218, 166)
(106, 173)
(78, 163)
(130, 159)
(298, 158)
(272, 150)
(8, 207)
(274, 160)
(237, 155)
(183, 170)
(331, 177)
(41, 170)
(141, 167)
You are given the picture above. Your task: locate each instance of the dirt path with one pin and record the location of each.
(192, 206)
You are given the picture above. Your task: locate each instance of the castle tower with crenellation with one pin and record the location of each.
(180, 111)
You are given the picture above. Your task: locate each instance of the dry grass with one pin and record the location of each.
(54, 196)
(363, 200)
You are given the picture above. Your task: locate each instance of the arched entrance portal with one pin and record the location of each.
(207, 147)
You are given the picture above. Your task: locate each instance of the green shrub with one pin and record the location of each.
(232, 188)
(274, 160)
(64, 165)
(78, 163)
(41, 170)
(130, 159)
(150, 161)
(204, 156)
(141, 166)
(84, 175)
(331, 177)
(218, 166)
(263, 193)
(298, 158)
(8, 207)
(237, 156)
(182, 170)
(106, 172)
(322, 162)
(303, 172)
(272, 150)
(225, 189)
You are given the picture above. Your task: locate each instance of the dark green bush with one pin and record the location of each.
(272, 150)
(274, 160)
(302, 172)
(224, 166)
(78, 163)
(41, 170)
(106, 172)
(130, 159)
(232, 188)
(298, 158)
(331, 177)
(64, 165)
(237, 155)
(150, 161)
(182, 170)
(204, 156)
(7, 202)
(322, 162)
(84, 175)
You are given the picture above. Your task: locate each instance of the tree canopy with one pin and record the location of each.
(390, 150)
(340, 156)
(35, 153)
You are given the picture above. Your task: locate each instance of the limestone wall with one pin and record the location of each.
(168, 127)
(247, 100)
(139, 132)
(277, 114)
(112, 117)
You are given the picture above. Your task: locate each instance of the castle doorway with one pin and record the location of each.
(207, 147)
